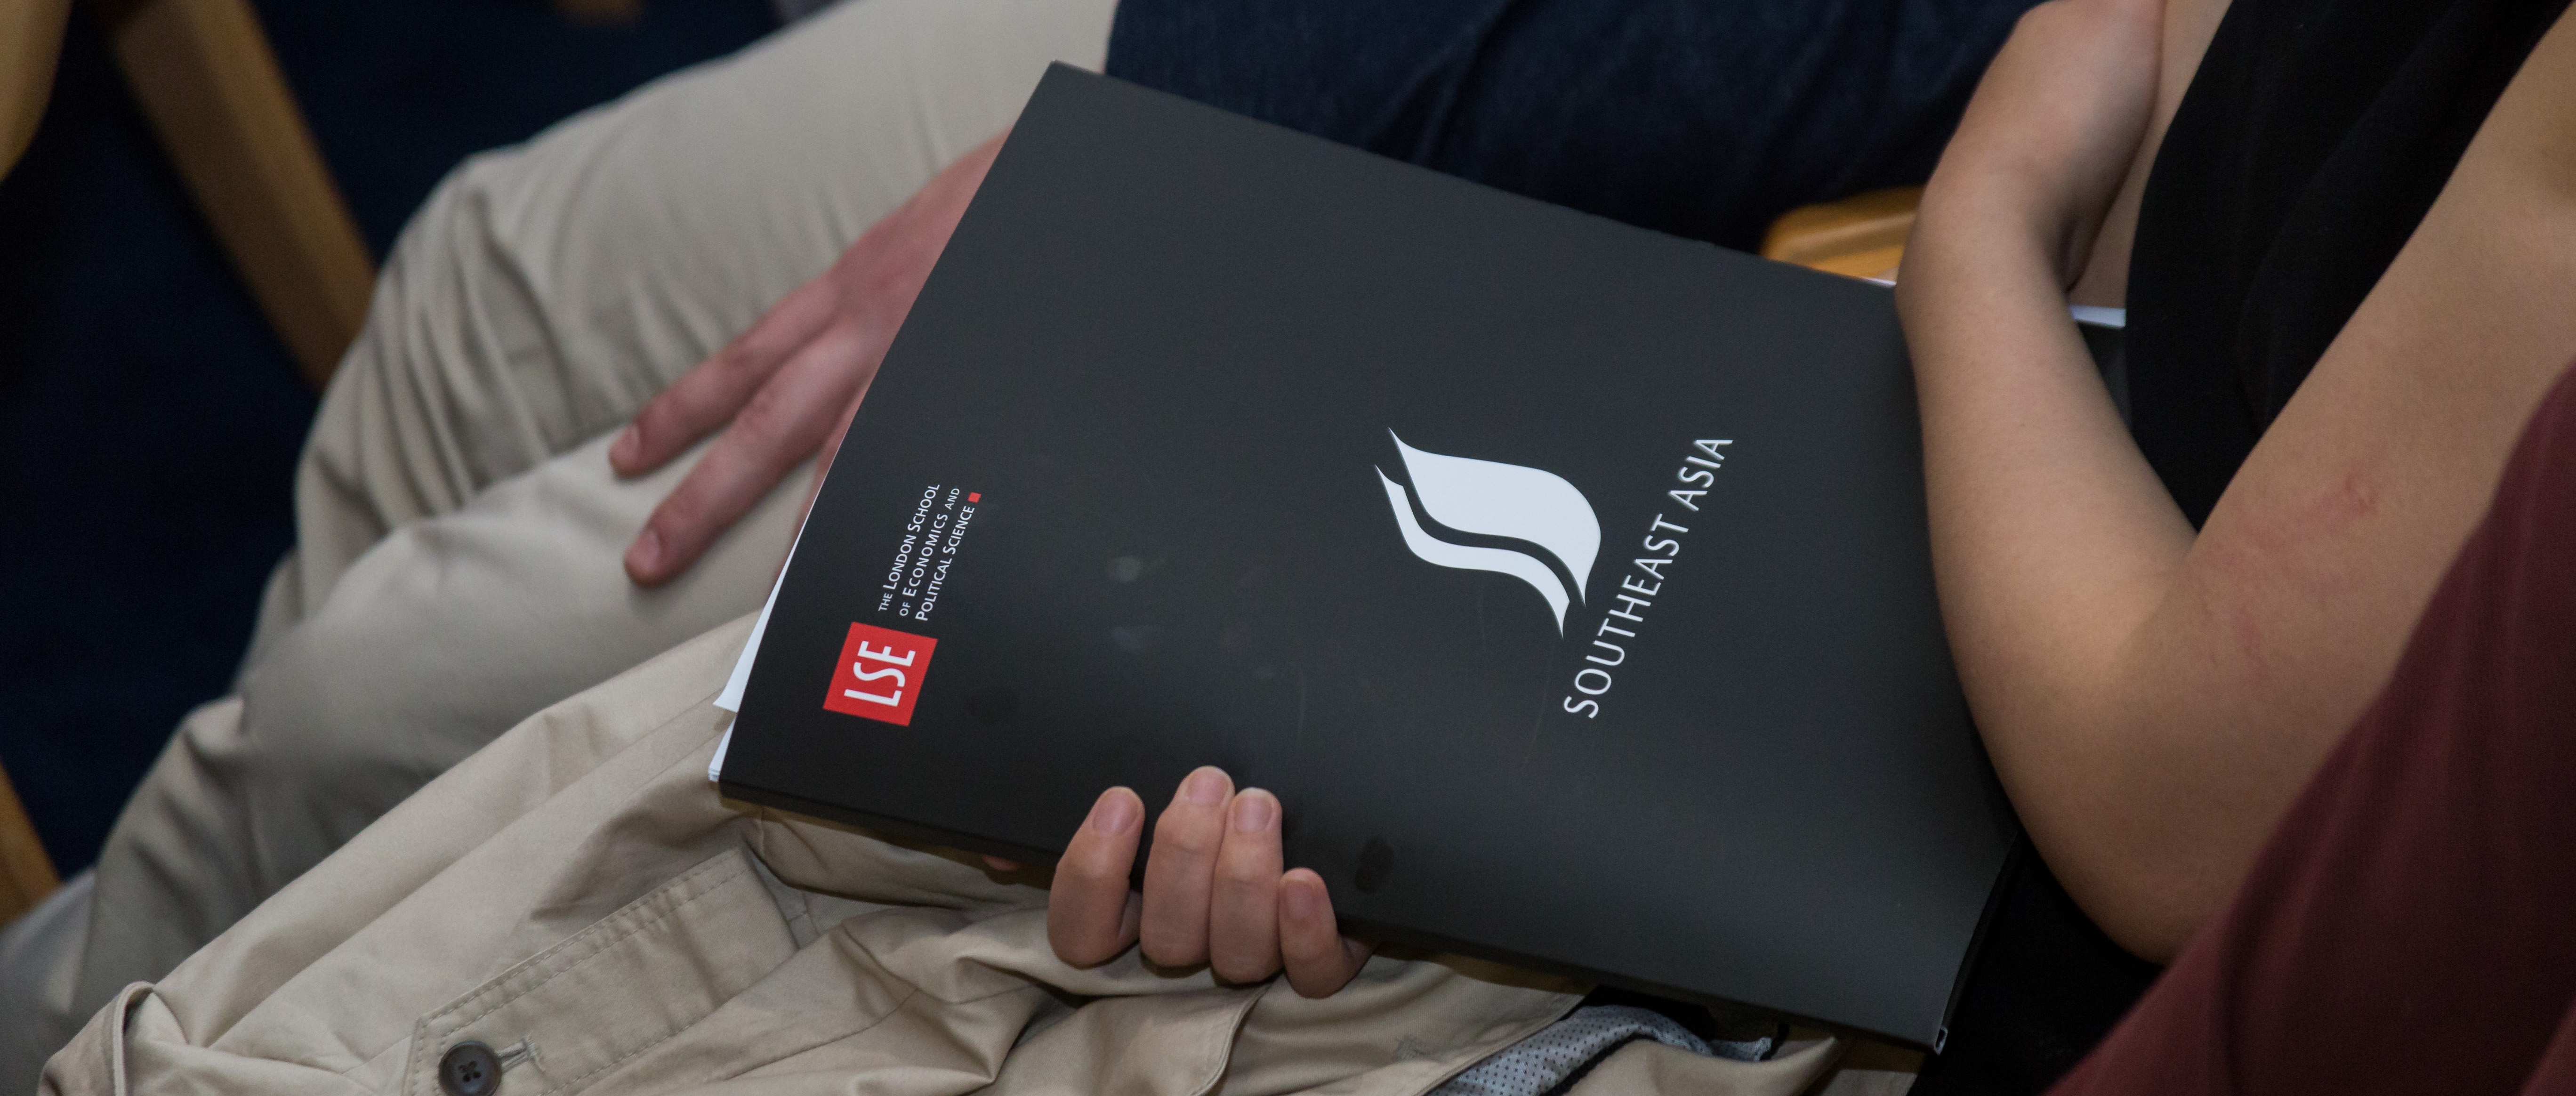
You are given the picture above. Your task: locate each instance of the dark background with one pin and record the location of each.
(150, 420)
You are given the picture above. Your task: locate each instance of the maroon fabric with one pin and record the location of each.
(2411, 927)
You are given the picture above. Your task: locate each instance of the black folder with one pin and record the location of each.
(1569, 583)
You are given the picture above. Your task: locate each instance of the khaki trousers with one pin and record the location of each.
(577, 898)
(572, 893)
(458, 530)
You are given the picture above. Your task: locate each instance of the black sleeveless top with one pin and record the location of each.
(2310, 144)
(2305, 152)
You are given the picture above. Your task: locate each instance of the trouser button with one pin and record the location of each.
(470, 1069)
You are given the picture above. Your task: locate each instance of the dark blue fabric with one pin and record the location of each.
(1700, 118)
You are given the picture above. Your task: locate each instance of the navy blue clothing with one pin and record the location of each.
(1702, 119)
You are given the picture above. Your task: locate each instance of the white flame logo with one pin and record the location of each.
(1504, 500)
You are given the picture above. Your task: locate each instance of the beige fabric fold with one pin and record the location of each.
(578, 896)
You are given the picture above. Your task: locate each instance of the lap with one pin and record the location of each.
(544, 292)
(579, 888)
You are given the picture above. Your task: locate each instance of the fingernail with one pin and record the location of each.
(1205, 788)
(1253, 812)
(647, 552)
(628, 441)
(1113, 814)
(1302, 903)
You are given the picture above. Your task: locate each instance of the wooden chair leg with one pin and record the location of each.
(26, 873)
(205, 76)
(31, 38)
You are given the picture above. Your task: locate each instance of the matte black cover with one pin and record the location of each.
(1142, 432)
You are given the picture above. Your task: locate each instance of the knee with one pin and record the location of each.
(362, 709)
(435, 396)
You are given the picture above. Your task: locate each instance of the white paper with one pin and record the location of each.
(2083, 313)
(731, 698)
(715, 765)
(2100, 317)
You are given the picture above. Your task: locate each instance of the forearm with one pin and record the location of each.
(2054, 547)
(2103, 646)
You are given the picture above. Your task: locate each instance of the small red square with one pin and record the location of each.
(880, 674)
(974, 496)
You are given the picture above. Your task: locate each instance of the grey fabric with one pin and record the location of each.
(1547, 1061)
(40, 954)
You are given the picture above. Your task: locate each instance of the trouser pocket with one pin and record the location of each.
(570, 1014)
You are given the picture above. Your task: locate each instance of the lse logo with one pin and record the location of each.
(880, 674)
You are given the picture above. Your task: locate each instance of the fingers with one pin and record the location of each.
(1182, 868)
(708, 396)
(1091, 916)
(1214, 893)
(1319, 958)
(1243, 911)
(785, 422)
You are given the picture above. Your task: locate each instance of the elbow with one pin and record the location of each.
(2155, 935)
(2150, 821)
(2151, 903)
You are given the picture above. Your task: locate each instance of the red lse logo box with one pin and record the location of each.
(880, 674)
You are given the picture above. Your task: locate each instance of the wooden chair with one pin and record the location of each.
(206, 78)
(1862, 236)
(31, 33)
(26, 873)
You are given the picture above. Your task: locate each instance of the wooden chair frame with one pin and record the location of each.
(1862, 236)
(204, 74)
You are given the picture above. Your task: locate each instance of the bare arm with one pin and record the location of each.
(2153, 699)
(2188, 25)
